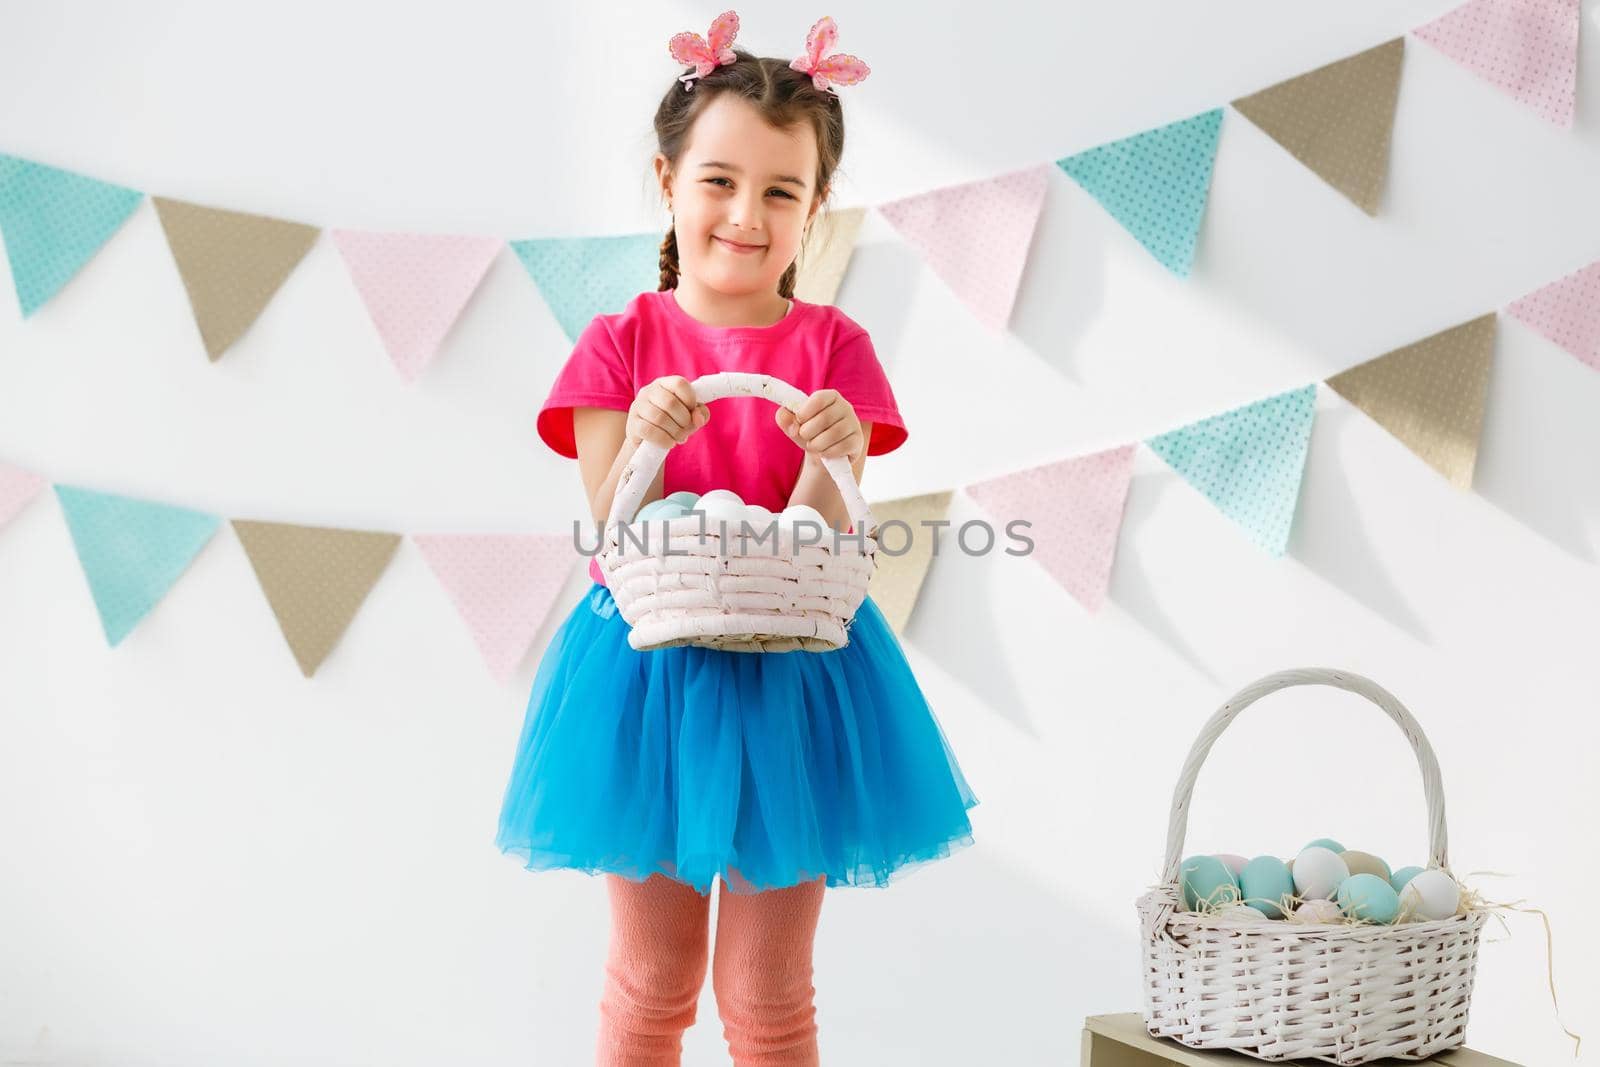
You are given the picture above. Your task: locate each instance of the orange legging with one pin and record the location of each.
(656, 967)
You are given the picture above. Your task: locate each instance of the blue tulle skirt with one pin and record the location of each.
(764, 768)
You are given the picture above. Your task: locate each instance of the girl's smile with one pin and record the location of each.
(736, 247)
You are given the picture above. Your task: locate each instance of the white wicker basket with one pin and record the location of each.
(1278, 990)
(721, 590)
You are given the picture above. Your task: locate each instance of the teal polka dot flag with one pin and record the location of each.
(131, 551)
(1248, 461)
(581, 277)
(54, 221)
(1155, 184)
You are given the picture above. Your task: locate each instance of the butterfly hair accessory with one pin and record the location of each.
(833, 70)
(706, 53)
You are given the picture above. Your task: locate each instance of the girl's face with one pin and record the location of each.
(741, 197)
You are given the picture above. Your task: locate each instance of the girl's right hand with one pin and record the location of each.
(666, 412)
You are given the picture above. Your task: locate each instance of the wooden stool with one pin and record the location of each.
(1122, 1041)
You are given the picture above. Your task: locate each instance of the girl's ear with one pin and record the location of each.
(816, 203)
(663, 175)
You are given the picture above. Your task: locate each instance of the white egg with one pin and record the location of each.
(1318, 911)
(1318, 872)
(796, 513)
(720, 509)
(757, 516)
(1240, 913)
(1431, 895)
(720, 494)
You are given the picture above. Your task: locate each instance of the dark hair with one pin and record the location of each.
(782, 95)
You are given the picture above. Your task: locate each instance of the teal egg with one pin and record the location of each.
(1265, 881)
(1326, 842)
(1368, 897)
(666, 508)
(1399, 878)
(684, 497)
(1207, 879)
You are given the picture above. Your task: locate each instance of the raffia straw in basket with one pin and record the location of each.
(1277, 990)
(709, 584)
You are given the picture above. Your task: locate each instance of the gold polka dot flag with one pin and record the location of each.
(1337, 119)
(231, 263)
(1430, 394)
(826, 255)
(897, 580)
(315, 578)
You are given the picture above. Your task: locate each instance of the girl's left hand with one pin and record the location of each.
(825, 426)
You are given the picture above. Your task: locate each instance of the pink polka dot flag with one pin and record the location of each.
(1526, 48)
(1568, 312)
(1075, 506)
(415, 286)
(17, 488)
(504, 586)
(976, 236)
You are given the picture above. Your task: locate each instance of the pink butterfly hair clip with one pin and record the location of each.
(833, 70)
(707, 53)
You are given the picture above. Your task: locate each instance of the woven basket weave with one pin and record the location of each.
(705, 584)
(1278, 990)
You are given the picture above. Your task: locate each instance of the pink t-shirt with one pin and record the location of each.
(814, 346)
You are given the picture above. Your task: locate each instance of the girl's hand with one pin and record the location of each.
(825, 426)
(666, 412)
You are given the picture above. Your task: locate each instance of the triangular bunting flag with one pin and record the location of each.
(1248, 461)
(976, 236)
(581, 277)
(1568, 312)
(414, 286)
(897, 578)
(1337, 119)
(231, 263)
(1075, 509)
(826, 255)
(131, 551)
(54, 221)
(1528, 49)
(503, 584)
(1155, 184)
(1430, 394)
(17, 488)
(315, 577)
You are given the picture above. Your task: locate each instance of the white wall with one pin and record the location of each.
(207, 858)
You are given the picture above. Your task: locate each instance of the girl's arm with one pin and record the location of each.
(665, 412)
(603, 450)
(815, 485)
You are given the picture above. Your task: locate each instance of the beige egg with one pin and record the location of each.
(1240, 913)
(1365, 863)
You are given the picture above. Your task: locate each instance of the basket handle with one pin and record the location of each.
(1432, 785)
(635, 479)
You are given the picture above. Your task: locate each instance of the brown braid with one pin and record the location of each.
(669, 260)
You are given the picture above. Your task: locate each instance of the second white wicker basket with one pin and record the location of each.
(1278, 990)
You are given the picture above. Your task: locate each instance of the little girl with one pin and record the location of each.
(780, 773)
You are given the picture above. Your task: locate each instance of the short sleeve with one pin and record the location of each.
(855, 372)
(595, 375)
